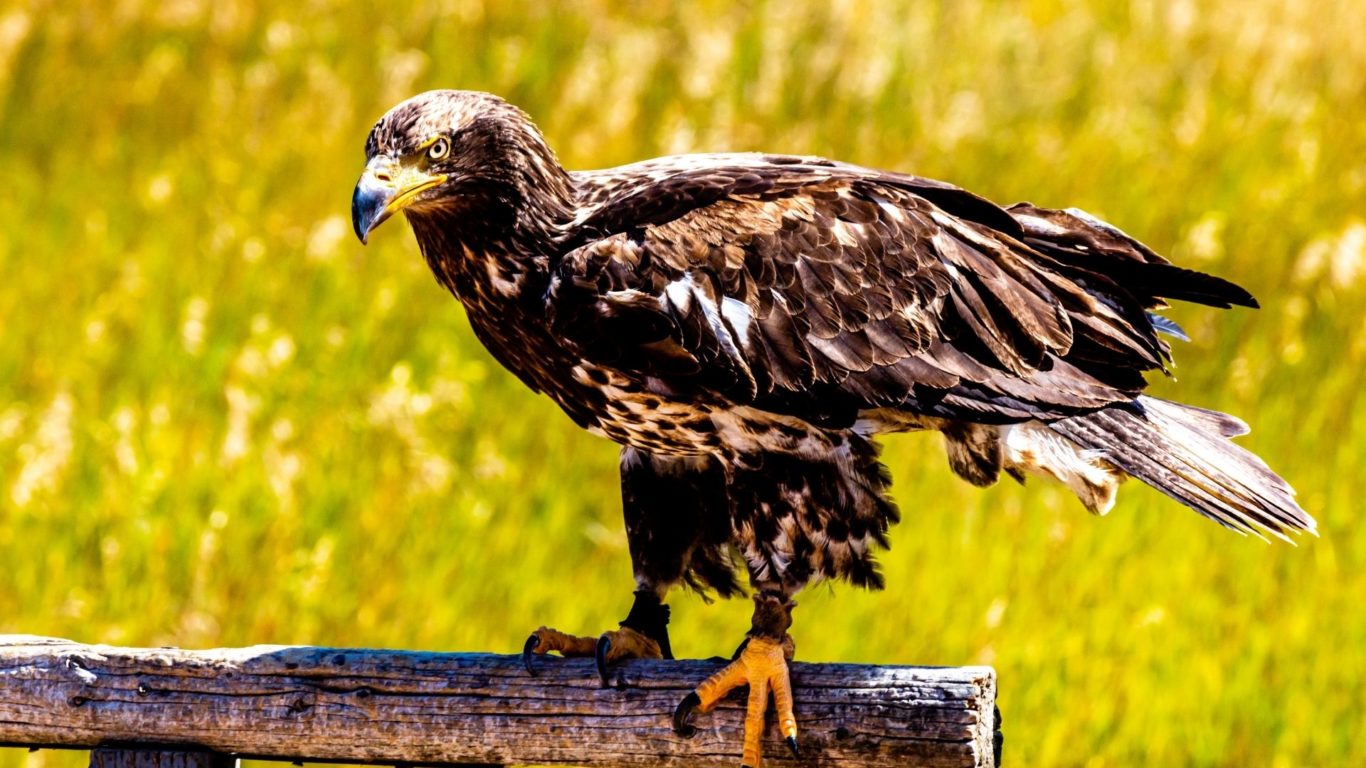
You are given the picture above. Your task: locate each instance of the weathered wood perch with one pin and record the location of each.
(302, 703)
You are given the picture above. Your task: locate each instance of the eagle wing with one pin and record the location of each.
(821, 288)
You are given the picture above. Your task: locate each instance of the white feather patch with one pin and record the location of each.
(738, 315)
(680, 293)
(1032, 447)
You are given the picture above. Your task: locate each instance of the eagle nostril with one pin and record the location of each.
(383, 176)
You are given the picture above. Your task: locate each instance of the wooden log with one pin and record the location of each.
(375, 706)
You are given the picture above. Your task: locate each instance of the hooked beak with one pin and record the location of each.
(386, 187)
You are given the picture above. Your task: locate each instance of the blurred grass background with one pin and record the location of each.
(222, 422)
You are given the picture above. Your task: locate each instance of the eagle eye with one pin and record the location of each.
(438, 149)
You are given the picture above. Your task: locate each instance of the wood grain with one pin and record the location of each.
(377, 706)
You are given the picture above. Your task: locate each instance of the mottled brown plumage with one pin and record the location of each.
(745, 325)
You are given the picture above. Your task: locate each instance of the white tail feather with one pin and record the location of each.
(1185, 452)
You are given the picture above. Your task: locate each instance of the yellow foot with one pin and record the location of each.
(624, 643)
(763, 666)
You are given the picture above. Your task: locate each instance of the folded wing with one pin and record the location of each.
(826, 289)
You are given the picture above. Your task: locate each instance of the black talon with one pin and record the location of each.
(741, 649)
(685, 709)
(792, 745)
(531, 643)
(600, 655)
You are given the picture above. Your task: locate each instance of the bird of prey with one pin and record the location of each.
(747, 325)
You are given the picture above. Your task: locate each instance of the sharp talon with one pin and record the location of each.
(600, 655)
(684, 711)
(740, 649)
(531, 643)
(792, 745)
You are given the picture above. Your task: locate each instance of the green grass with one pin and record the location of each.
(224, 422)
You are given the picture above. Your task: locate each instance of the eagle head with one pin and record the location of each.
(465, 152)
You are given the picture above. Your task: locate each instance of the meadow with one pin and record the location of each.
(224, 422)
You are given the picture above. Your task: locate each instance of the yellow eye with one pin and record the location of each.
(439, 149)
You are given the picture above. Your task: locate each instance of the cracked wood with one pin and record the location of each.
(306, 703)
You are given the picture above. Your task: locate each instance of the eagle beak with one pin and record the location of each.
(386, 187)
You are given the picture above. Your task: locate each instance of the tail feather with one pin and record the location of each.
(1207, 420)
(1184, 452)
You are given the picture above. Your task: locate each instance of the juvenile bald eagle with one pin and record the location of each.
(745, 326)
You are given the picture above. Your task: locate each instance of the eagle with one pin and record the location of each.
(746, 326)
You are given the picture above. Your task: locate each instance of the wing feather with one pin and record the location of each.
(794, 281)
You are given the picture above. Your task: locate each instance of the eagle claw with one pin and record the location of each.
(686, 707)
(600, 652)
(606, 649)
(763, 667)
(531, 643)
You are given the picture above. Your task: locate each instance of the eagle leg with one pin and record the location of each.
(644, 634)
(762, 665)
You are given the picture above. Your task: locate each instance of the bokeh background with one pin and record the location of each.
(223, 422)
